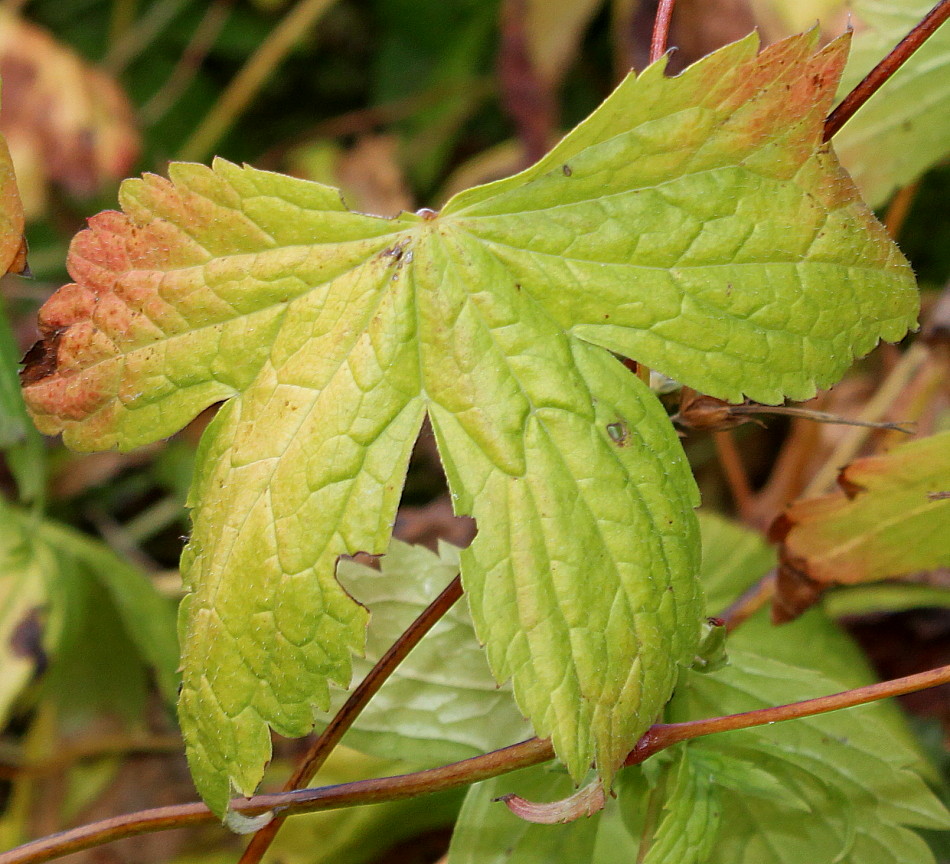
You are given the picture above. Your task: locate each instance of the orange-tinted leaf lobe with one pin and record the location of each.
(866, 531)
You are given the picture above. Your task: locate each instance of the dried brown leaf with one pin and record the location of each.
(66, 122)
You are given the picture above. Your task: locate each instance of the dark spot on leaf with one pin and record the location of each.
(566, 170)
(618, 433)
(40, 361)
(26, 640)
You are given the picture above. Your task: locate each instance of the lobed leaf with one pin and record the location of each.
(889, 520)
(694, 223)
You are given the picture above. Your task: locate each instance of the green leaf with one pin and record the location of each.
(441, 703)
(22, 596)
(904, 128)
(693, 223)
(146, 618)
(889, 519)
(861, 794)
(99, 622)
(689, 824)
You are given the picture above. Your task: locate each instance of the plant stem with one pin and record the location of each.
(357, 701)
(201, 42)
(248, 82)
(95, 748)
(877, 406)
(534, 751)
(661, 29)
(137, 38)
(898, 209)
(749, 602)
(736, 477)
(663, 735)
(873, 81)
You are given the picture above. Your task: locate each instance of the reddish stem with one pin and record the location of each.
(661, 29)
(357, 701)
(531, 752)
(663, 735)
(886, 68)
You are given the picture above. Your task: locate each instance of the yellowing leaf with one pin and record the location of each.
(693, 223)
(66, 122)
(12, 244)
(891, 519)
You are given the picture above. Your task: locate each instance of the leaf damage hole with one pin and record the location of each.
(618, 433)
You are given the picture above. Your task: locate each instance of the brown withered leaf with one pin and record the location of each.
(12, 242)
(890, 519)
(66, 122)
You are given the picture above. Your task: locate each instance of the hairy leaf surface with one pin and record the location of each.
(693, 223)
(904, 129)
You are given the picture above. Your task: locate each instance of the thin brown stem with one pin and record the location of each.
(874, 80)
(197, 49)
(534, 751)
(736, 476)
(852, 441)
(663, 735)
(136, 39)
(357, 701)
(898, 209)
(246, 85)
(531, 752)
(96, 748)
(818, 417)
(661, 29)
(749, 602)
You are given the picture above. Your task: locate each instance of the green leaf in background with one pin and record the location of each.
(889, 519)
(23, 570)
(486, 833)
(69, 601)
(20, 443)
(146, 617)
(441, 703)
(905, 128)
(838, 787)
(689, 824)
(693, 223)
